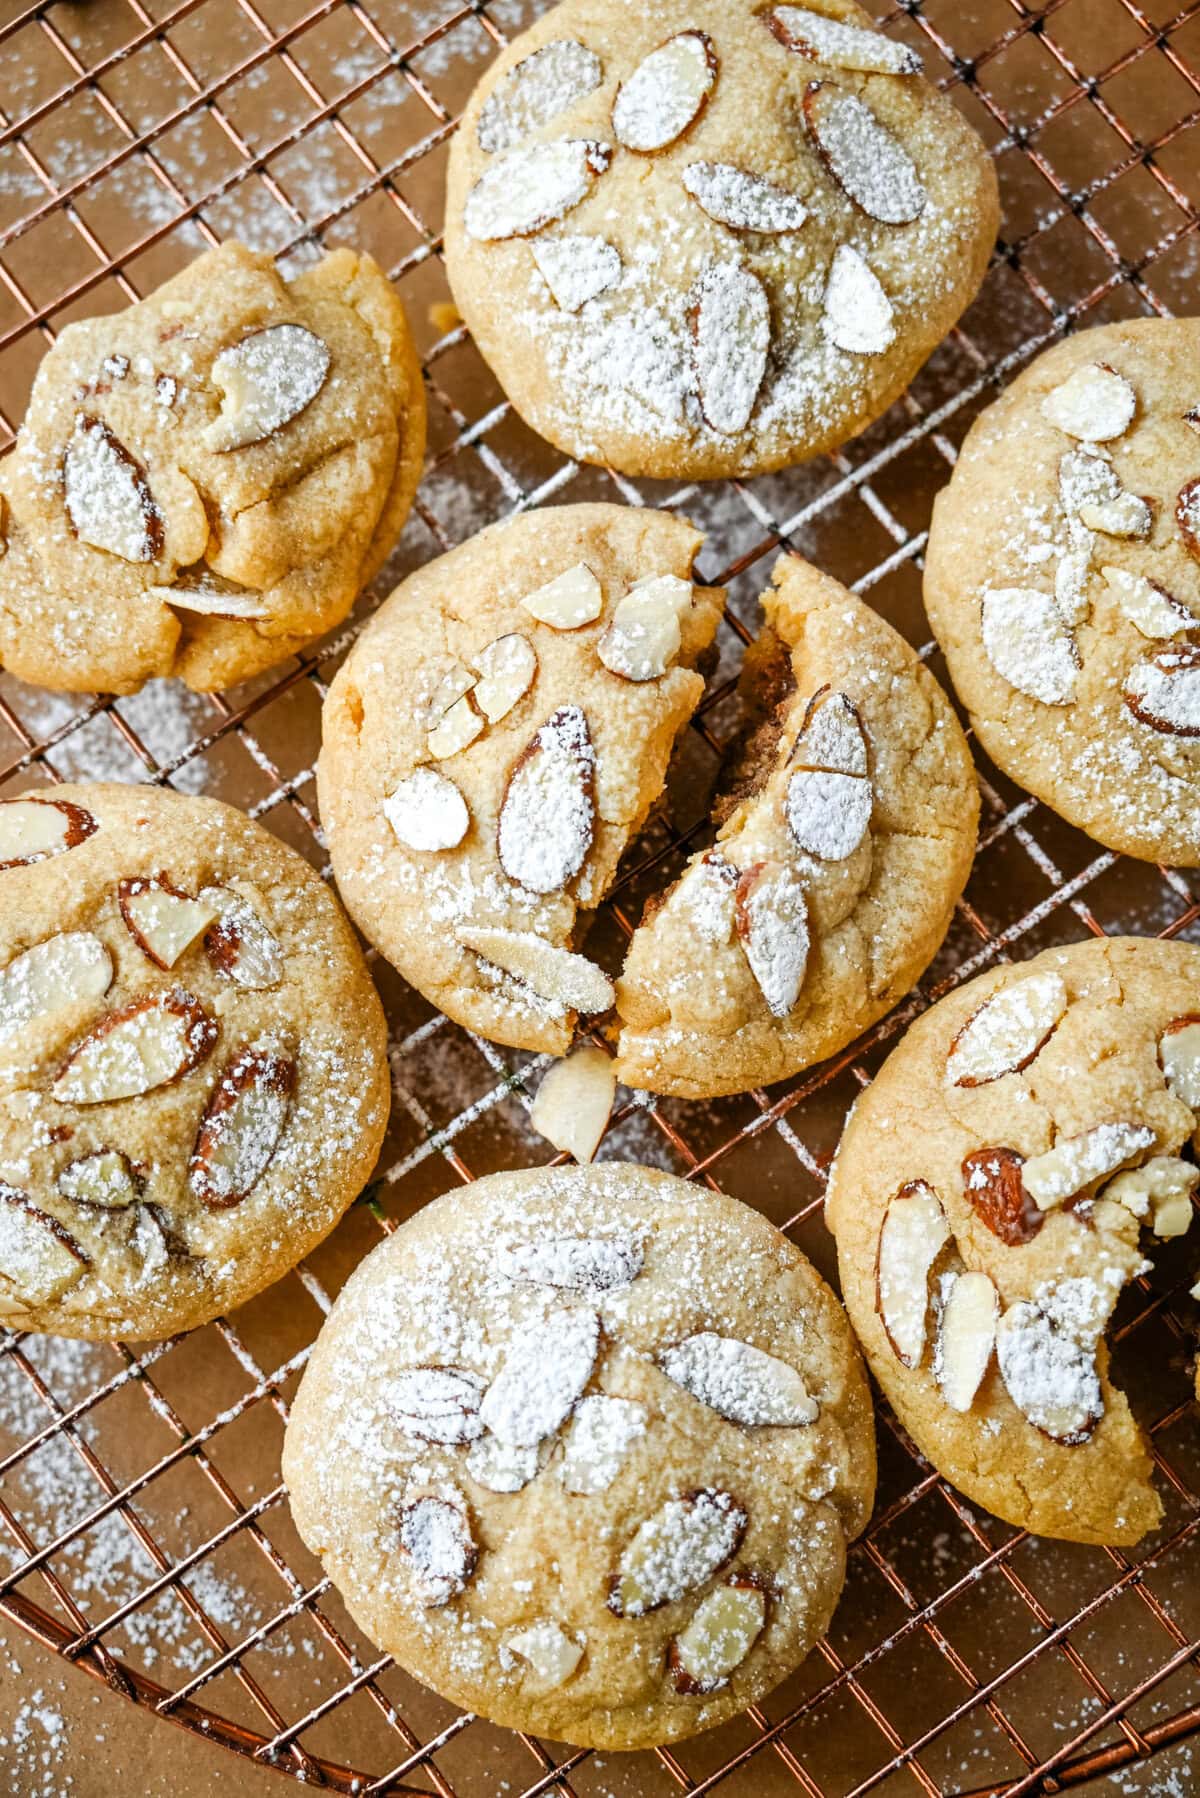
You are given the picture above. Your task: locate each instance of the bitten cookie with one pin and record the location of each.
(697, 238)
(583, 1449)
(988, 1199)
(205, 482)
(1063, 581)
(193, 1073)
(495, 739)
(842, 848)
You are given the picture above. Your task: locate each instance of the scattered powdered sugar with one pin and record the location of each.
(548, 815)
(547, 1366)
(500, 1468)
(741, 1382)
(536, 91)
(602, 1432)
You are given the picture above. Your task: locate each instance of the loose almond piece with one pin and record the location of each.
(535, 91)
(547, 820)
(1094, 403)
(547, 1366)
(525, 190)
(742, 201)
(857, 314)
(32, 829)
(676, 1550)
(498, 1468)
(67, 970)
(104, 1179)
(730, 317)
(1008, 1031)
(427, 812)
(577, 269)
(1173, 1214)
(831, 736)
(714, 1644)
(1077, 1162)
(107, 495)
(1179, 1058)
(212, 598)
(995, 1191)
(1125, 515)
(828, 813)
(1050, 1374)
(551, 1655)
(162, 921)
(38, 1256)
(1164, 692)
(566, 981)
(576, 1263)
(1187, 516)
(1163, 1180)
(866, 161)
(241, 1127)
(966, 1338)
(666, 92)
(1027, 642)
(574, 1102)
(266, 381)
(437, 1404)
(1154, 611)
(643, 636)
(1090, 491)
(601, 1434)
(771, 919)
(151, 1042)
(571, 599)
(436, 1536)
(507, 668)
(914, 1233)
(839, 45)
(740, 1382)
(239, 945)
(456, 730)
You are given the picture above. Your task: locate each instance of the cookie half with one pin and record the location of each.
(193, 1072)
(543, 1443)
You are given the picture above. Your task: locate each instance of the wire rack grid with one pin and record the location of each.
(147, 1534)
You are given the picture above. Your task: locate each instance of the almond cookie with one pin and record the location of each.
(494, 740)
(205, 482)
(991, 1198)
(711, 237)
(1063, 581)
(583, 1450)
(193, 1073)
(842, 848)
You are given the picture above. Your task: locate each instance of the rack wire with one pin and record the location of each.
(966, 1657)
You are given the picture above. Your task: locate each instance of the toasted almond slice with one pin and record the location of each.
(1094, 403)
(676, 1550)
(866, 161)
(37, 1255)
(213, 597)
(266, 381)
(1161, 1180)
(507, 669)
(601, 1434)
(1187, 516)
(577, 269)
(241, 1127)
(32, 829)
(1049, 1372)
(498, 1468)
(1027, 642)
(1125, 515)
(107, 495)
(574, 1102)
(576, 1263)
(839, 45)
(456, 681)
(1154, 611)
(666, 92)
(550, 1654)
(828, 813)
(730, 317)
(831, 735)
(743, 201)
(643, 635)
(527, 189)
(547, 1366)
(457, 729)
(64, 971)
(162, 920)
(857, 316)
(995, 1191)
(548, 817)
(707, 891)
(1077, 1162)
(966, 1338)
(741, 1383)
(536, 90)
(914, 1233)
(1164, 692)
(771, 919)
(104, 1179)
(563, 979)
(1179, 1058)
(571, 599)
(678, 592)
(1007, 1031)
(240, 945)
(427, 812)
(151, 1042)
(437, 1404)
(436, 1536)
(724, 1629)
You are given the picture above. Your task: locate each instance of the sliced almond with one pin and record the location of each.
(1125, 515)
(162, 921)
(507, 668)
(266, 381)
(456, 682)
(37, 1255)
(740, 1382)
(666, 92)
(574, 1102)
(527, 189)
(498, 1468)
(1050, 1374)
(104, 1179)
(548, 817)
(1077, 1162)
(457, 729)
(771, 919)
(643, 636)
(1164, 692)
(839, 45)
(707, 892)
(866, 161)
(995, 1191)
(239, 945)
(831, 735)
(743, 201)
(437, 1404)
(914, 1233)
(151, 1042)
(1072, 577)
(676, 1550)
(567, 981)
(1094, 403)
(1173, 1215)
(32, 829)
(212, 597)
(1154, 611)
(241, 1127)
(601, 1434)
(427, 812)
(550, 1654)
(1179, 1058)
(547, 1366)
(536, 90)
(966, 1338)
(107, 494)
(857, 315)
(724, 1629)
(571, 599)
(436, 1536)
(730, 317)
(1007, 1031)
(577, 269)
(68, 970)
(828, 813)
(1027, 642)
(1187, 516)
(1163, 1180)
(576, 1263)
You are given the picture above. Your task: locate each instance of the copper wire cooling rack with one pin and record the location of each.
(145, 1534)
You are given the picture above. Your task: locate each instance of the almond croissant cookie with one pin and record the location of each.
(1063, 581)
(205, 482)
(583, 1450)
(990, 1200)
(711, 237)
(193, 1074)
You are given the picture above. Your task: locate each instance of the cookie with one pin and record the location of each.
(583, 1450)
(1062, 579)
(492, 743)
(205, 482)
(709, 237)
(992, 1196)
(843, 845)
(193, 1073)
